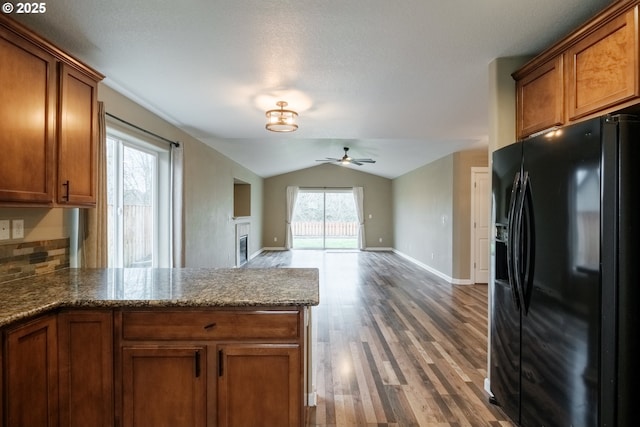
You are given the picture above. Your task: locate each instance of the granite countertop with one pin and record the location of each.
(158, 287)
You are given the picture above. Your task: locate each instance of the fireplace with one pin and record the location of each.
(243, 250)
(242, 243)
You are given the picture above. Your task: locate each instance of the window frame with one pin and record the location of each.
(161, 196)
(324, 191)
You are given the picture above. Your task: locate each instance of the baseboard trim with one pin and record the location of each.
(487, 387)
(280, 248)
(434, 271)
(403, 255)
(255, 254)
(312, 399)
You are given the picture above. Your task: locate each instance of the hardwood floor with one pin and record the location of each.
(396, 345)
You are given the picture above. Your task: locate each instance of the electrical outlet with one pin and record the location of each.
(275, 239)
(17, 229)
(4, 230)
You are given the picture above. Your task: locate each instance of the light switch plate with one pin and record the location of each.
(4, 230)
(17, 229)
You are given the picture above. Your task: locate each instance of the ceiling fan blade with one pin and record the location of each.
(347, 160)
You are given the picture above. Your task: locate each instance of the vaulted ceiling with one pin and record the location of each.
(404, 82)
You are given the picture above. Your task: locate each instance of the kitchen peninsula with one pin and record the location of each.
(154, 347)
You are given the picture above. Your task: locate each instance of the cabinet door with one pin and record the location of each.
(259, 385)
(540, 98)
(164, 386)
(1, 383)
(27, 121)
(78, 124)
(31, 375)
(603, 67)
(85, 341)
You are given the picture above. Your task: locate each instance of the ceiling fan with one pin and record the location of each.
(346, 159)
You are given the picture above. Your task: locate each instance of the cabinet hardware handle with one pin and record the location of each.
(67, 185)
(210, 326)
(220, 357)
(197, 363)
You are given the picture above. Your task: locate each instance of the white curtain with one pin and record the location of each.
(358, 195)
(177, 173)
(292, 195)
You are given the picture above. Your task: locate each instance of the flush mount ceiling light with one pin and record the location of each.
(281, 120)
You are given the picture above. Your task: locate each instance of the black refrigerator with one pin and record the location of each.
(564, 304)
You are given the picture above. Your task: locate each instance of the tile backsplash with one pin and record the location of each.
(24, 259)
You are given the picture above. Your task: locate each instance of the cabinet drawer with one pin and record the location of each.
(209, 325)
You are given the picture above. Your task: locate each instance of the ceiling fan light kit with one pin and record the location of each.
(281, 120)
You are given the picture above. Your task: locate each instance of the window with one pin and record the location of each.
(138, 202)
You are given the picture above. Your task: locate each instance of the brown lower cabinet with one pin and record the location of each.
(155, 367)
(211, 367)
(85, 368)
(1, 383)
(31, 374)
(259, 385)
(164, 387)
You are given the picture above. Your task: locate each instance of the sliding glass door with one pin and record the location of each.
(137, 202)
(325, 219)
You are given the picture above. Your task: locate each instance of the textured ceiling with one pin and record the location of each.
(402, 81)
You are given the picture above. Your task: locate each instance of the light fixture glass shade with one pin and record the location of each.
(281, 120)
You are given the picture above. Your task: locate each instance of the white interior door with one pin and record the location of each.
(480, 224)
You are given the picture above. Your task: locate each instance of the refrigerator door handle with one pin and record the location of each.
(528, 248)
(520, 240)
(511, 246)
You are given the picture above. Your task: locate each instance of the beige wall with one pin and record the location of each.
(41, 223)
(241, 200)
(377, 201)
(462, 163)
(423, 211)
(431, 208)
(502, 101)
(208, 194)
(407, 212)
(209, 235)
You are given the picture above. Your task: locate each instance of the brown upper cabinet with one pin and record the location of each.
(77, 138)
(48, 117)
(540, 98)
(592, 71)
(602, 68)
